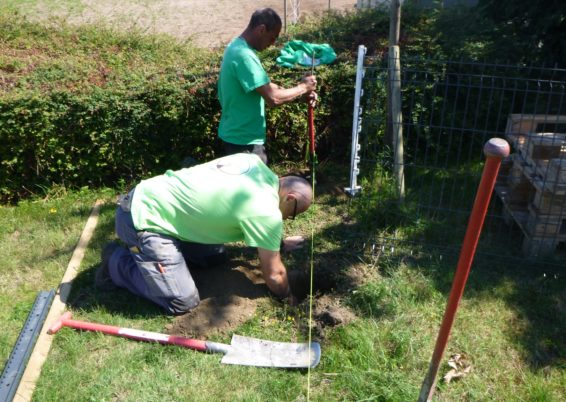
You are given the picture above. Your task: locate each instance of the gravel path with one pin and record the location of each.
(209, 22)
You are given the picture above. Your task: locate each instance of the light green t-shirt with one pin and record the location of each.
(228, 199)
(242, 120)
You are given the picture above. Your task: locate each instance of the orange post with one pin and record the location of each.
(495, 150)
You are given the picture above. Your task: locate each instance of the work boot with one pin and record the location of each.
(102, 279)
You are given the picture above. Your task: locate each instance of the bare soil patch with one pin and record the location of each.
(210, 23)
(229, 296)
(231, 292)
(328, 312)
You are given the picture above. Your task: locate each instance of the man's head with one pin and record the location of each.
(263, 29)
(295, 196)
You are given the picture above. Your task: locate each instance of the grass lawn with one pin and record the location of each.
(510, 326)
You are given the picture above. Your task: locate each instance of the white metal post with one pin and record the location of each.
(356, 124)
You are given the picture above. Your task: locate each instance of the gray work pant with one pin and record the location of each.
(153, 267)
(257, 149)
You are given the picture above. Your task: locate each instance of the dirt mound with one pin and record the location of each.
(229, 296)
(231, 292)
(329, 312)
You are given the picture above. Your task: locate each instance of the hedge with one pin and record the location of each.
(85, 106)
(89, 107)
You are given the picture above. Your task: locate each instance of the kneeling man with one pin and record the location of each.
(235, 198)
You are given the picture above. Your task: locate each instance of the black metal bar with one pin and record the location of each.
(17, 362)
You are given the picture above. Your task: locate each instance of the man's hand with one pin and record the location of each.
(292, 243)
(312, 98)
(310, 82)
(274, 272)
(292, 300)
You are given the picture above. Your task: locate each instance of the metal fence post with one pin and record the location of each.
(397, 119)
(356, 125)
(285, 16)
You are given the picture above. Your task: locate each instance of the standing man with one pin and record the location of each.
(244, 87)
(234, 198)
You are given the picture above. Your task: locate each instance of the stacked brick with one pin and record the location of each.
(532, 181)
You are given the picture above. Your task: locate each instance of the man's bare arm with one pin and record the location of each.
(274, 272)
(274, 95)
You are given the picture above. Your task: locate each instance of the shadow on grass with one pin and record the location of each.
(538, 294)
(534, 289)
(224, 283)
(84, 295)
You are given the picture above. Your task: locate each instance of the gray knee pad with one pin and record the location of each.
(182, 305)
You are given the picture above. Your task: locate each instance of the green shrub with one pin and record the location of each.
(88, 107)
(98, 137)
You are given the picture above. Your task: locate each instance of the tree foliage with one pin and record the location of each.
(537, 28)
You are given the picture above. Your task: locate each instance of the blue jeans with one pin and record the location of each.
(153, 267)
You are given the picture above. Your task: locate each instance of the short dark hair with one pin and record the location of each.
(267, 17)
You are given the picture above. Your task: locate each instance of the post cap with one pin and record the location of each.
(496, 148)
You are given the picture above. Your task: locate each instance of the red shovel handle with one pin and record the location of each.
(136, 334)
(311, 129)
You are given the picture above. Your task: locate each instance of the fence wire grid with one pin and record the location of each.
(449, 110)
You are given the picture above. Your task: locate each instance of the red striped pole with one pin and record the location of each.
(136, 334)
(311, 131)
(495, 150)
(311, 120)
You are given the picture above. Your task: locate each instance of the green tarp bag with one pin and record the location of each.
(298, 52)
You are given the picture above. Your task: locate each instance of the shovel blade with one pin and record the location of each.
(261, 353)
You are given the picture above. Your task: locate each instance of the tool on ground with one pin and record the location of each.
(495, 150)
(18, 359)
(242, 350)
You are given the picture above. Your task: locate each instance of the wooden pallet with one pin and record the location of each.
(532, 185)
(549, 203)
(544, 146)
(518, 189)
(545, 225)
(539, 246)
(512, 211)
(537, 174)
(530, 123)
(539, 237)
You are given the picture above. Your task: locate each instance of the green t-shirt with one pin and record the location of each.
(228, 199)
(243, 109)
